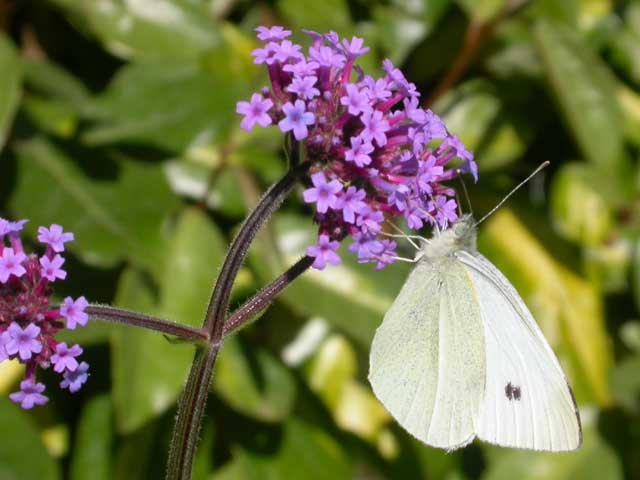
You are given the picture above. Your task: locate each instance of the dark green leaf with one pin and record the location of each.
(10, 88)
(625, 44)
(318, 16)
(150, 29)
(51, 81)
(22, 454)
(635, 272)
(625, 382)
(254, 382)
(404, 24)
(149, 370)
(306, 452)
(585, 91)
(168, 105)
(93, 441)
(111, 219)
(497, 137)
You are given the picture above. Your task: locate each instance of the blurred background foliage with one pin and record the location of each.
(117, 121)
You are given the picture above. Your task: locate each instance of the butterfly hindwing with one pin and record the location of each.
(427, 357)
(528, 402)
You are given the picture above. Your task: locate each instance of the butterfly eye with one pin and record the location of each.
(460, 230)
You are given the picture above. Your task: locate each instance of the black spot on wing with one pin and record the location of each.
(513, 392)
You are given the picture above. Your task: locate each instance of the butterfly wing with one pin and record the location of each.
(528, 402)
(427, 356)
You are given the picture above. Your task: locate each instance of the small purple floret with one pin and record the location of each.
(55, 237)
(64, 358)
(296, 118)
(74, 312)
(351, 202)
(73, 380)
(375, 127)
(51, 268)
(24, 343)
(272, 34)
(323, 193)
(11, 264)
(254, 111)
(304, 87)
(324, 252)
(359, 152)
(30, 394)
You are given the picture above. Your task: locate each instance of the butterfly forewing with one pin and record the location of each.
(528, 402)
(427, 357)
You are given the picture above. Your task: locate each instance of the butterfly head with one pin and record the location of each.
(461, 235)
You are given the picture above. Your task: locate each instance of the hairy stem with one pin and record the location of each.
(192, 403)
(264, 297)
(118, 315)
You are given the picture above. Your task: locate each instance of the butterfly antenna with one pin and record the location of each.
(466, 194)
(542, 166)
(404, 235)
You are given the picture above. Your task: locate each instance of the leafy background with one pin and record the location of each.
(117, 120)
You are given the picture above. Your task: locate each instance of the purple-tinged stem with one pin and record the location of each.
(192, 403)
(118, 315)
(264, 297)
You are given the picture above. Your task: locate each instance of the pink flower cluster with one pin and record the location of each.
(28, 324)
(376, 153)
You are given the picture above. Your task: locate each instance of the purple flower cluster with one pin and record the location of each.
(28, 324)
(376, 154)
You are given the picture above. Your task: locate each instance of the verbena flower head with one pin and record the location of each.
(28, 322)
(375, 152)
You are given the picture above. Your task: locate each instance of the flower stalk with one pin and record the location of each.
(193, 401)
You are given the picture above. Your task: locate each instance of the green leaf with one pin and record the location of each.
(352, 297)
(191, 180)
(51, 116)
(149, 370)
(593, 461)
(10, 88)
(482, 10)
(635, 272)
(151, 29)
(111, 219)
(608, 265)
(496, 136)
(137, 455)
(585, 91)
(625, 44)
(625, 383)
(568, 309)
(52, 82)
(318, 16)
(22, 453)
(171, 106)
(195, 256)
(332, 375)
(93, 442)
(579, 211)
(404, 24)
(305, 452)
(630, 103)
(254, 382)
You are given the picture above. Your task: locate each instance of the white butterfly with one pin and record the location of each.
(458, 356)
